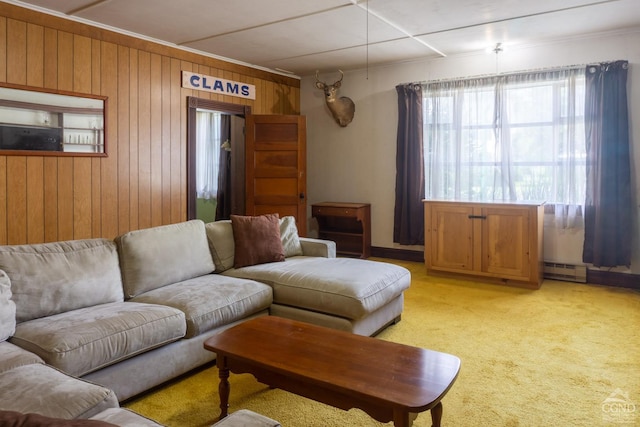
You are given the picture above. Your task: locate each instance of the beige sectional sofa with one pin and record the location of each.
(89, 323)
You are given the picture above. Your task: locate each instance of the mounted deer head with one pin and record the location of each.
(341, 108)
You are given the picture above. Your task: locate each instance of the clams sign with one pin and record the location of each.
(216, 85)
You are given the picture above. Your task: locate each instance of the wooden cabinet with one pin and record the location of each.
(494, 241)
(347, 224)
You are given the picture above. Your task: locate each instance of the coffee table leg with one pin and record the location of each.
(223, 387)
(404, 419)
(436, 415)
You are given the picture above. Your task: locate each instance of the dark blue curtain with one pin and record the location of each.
(408, 227)
(608, 207)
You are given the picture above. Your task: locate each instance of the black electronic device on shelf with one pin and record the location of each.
(30, 138)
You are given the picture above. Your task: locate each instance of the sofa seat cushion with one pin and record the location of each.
(345, 287)
(85, 340)
(12, 356)
(124, 417)
(52, 278)
(41, 389)
(212, 300)
(17, 419)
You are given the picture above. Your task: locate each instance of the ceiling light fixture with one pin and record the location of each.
(497, 49)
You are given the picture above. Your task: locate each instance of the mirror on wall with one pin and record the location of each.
(215, 138)
(39, 122)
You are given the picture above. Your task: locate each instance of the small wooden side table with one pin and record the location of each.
(347, 224)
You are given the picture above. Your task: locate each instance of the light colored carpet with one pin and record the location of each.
(549, 357)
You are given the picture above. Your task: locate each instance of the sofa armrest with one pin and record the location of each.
(318, 247)
(7, 309)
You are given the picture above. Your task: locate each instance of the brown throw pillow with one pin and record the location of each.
(257, 239)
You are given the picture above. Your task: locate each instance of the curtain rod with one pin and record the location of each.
(512, 73)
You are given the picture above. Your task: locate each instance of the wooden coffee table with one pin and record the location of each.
(388, 381)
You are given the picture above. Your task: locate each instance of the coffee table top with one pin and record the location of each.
(372, 369)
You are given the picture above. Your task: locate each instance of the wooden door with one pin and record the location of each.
(449, 237)
(276, 175)
(237, 165)
(505, 242)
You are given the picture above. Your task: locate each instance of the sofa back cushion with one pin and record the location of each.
(221, 244)
(289, 236)
(155, 257)
(7, 308)
(52, 278)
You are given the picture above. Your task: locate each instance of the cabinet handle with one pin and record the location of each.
(477, 217)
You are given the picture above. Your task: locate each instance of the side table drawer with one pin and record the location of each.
(333, 211)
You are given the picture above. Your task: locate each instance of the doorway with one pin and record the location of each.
(267, 163)
(215, 151)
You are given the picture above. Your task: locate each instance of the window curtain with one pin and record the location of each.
(608, 208)
(408, 227)
(511, 137)
(223, 206)
(207, 154)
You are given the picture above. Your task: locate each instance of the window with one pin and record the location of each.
(511, 138)
(207, 153)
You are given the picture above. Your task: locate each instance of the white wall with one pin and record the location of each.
(357, 163)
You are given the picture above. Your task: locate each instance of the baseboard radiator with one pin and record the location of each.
(565, 272)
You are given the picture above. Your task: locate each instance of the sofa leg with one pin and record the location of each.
(394, 321)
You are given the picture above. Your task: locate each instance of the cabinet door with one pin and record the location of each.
(450, 235)
(505, 242)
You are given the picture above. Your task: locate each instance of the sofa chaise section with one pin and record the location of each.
(355, 295)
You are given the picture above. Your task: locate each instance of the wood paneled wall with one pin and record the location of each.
(142, 181)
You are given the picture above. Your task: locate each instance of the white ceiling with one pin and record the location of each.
(303, 36)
